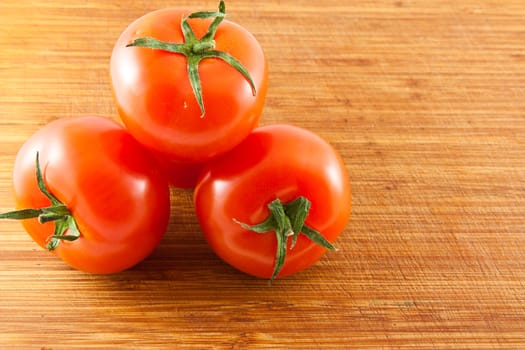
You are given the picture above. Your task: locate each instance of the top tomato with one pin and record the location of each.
(188, 86)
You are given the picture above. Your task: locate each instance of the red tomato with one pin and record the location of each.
(156, 99)
(274, 162)
(109, 184)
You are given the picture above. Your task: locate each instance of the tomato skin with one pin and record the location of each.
(273, 162)
(109, 182)
(181, 175)
(156, 102)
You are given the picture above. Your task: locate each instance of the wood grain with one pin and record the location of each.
(425, 100)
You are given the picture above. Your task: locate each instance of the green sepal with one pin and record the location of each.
(56, 212)
(66, 224)
(263, 227)
(195, 80)
(41, 184)
(317, 238)
(210, 14)
(212, 29)
(62, 226)
(232, 61)
(287, 220)
(283, 230)
(280, 255)
(21, 214)
(297, 210)
(153, 43)
(189, 36)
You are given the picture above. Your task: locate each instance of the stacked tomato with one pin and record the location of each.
(190, 89)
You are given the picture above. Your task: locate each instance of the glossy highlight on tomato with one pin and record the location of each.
(275, 162)
(156, 100)
(109, 184)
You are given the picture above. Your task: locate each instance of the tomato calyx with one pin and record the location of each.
(56, 212)
(287, 220)
(196, 50)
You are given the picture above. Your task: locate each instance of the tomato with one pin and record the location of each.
(107, 205)
(277, 169)
(188, 86)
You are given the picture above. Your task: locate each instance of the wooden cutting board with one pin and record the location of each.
(425, 100)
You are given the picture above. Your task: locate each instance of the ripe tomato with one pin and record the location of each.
(272, 170)
(102, 186)
(183, 83)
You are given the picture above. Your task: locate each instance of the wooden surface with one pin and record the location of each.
(425, 100)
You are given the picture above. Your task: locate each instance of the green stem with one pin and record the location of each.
(287, 220)
(198, 49)
(56, 212)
